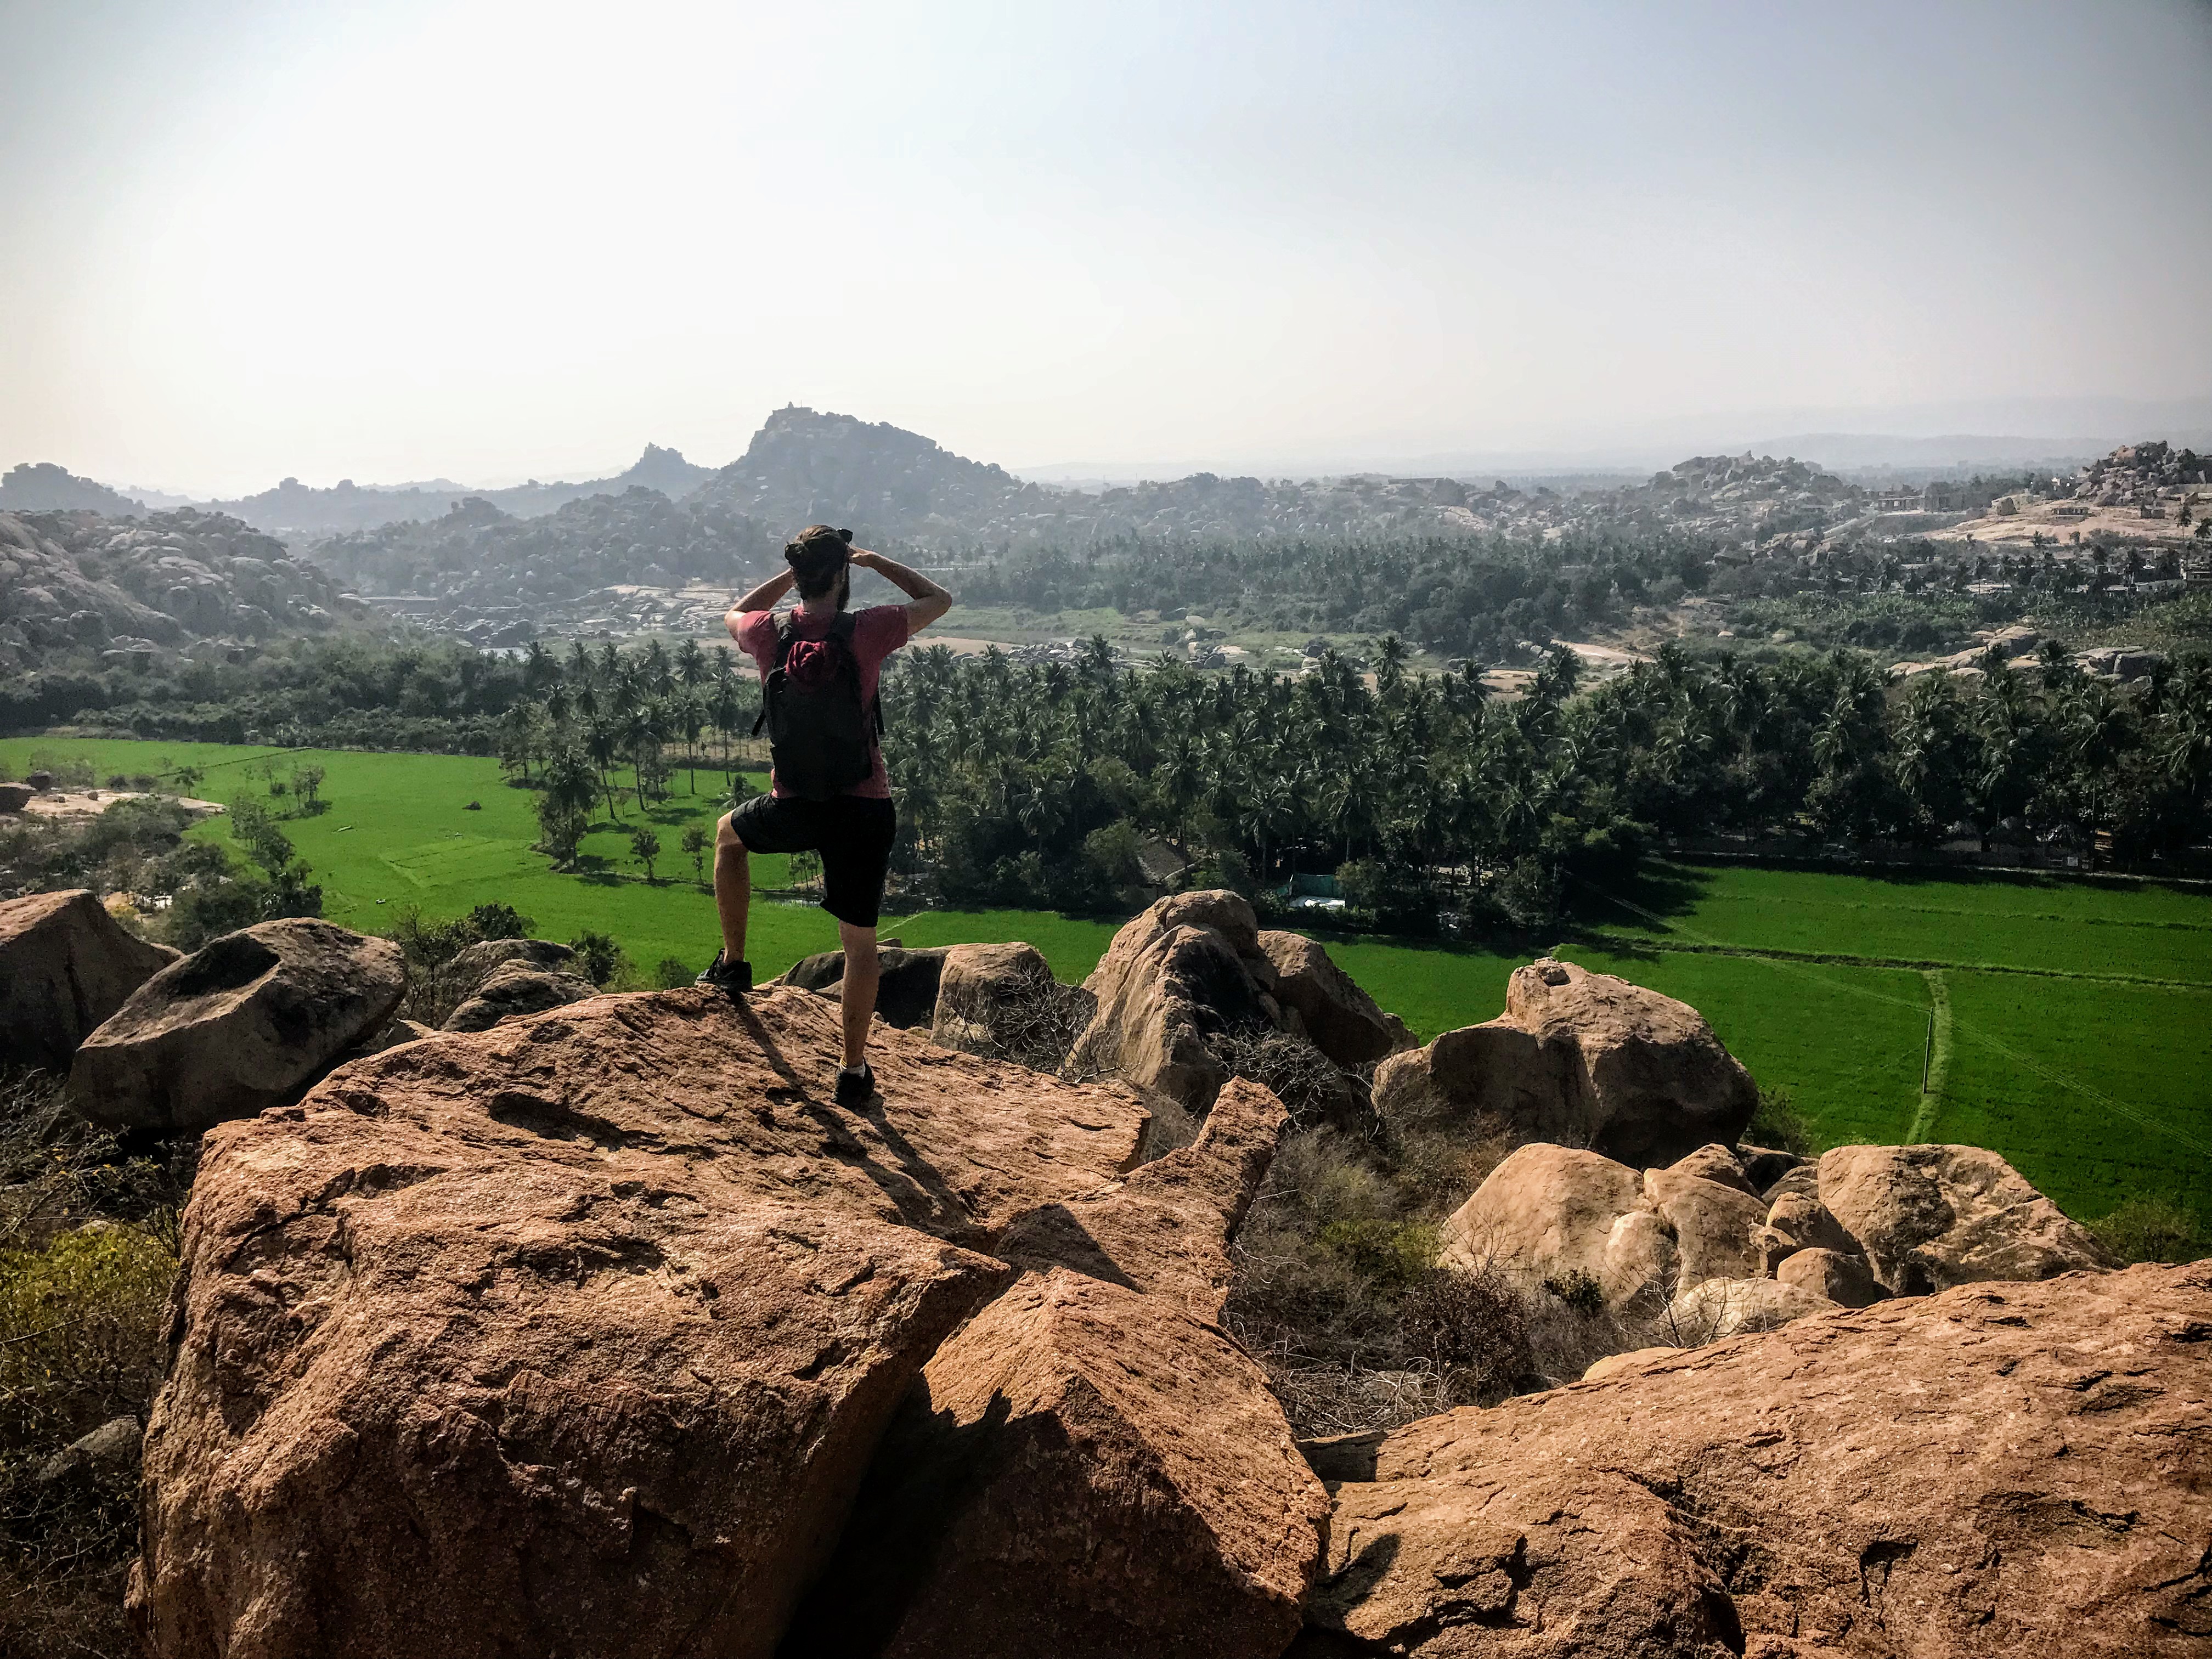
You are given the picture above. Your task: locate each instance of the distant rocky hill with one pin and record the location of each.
(75, 582)
(486, 570)
(899, 488)
(294, 509)
(43, 487)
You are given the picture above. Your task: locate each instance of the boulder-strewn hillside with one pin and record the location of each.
(591, 1324)
(78, 580)
(482, 558)
(293, 509)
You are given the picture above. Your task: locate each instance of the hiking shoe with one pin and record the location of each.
(856, 1087)
(731, 978)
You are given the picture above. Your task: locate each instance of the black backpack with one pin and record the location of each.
(820, 736)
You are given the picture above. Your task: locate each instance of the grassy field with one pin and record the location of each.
(2073, 1020)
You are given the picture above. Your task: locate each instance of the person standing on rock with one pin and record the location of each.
(820, 664)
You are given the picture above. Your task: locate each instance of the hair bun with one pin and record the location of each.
(845, 535)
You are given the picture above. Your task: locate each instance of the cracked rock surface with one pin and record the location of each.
(2003, 1469)
(574, 1336)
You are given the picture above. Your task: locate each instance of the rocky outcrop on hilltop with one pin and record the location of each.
(66, 966)
(613, 1287)
(1582, 1060)
(76, 580)
(2001, 1469)
(603, 1329)
(898, 486)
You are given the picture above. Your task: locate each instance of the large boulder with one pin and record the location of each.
(516, 987)
(1179, 975)
(1341, 1020)
(1996, 1471)
(1928, 1218)
(1196, 969)
(243, 1023)
(1584, 1059)
(473, 964)
(66, 966)
(1550, 1211)
(1002, 1000)
(1164, 1229)
(1085, 1472)
(1715, 1225)
(1838, 1276)
(575, 1335)
(906, 986)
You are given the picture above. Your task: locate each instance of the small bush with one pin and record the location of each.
(1393, 1253)
(80, 1327)
(1579, 1292)
(669, 973)
(1775, 1123)
(2152, 1228)
(598, 956)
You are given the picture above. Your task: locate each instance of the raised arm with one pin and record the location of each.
(762, 597)
(930, 601)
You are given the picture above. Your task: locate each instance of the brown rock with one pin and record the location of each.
(1714, 1310)
(1998, 1471)
(515, 988)
(1845, 1280)
(1189, 969)
(1546, 1210)
(245, 1023)
(1341, 1020)
(906, 983)
(1928, 1218)
(1001, 1000)
(1086, 1474)
(14, 796)
(472, 965)
(1634, 1360)
(574, 1335)
(1581, 1059)
(1714, 1162)
(66, 966)
(1806, 1222)
(399, 1032)
(1165, 1229)
(1715, 1226)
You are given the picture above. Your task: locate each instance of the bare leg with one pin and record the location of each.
(733, 891)
(862, 970)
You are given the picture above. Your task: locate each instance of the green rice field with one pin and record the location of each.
(2071, 1023)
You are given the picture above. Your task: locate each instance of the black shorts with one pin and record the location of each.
(853, 833)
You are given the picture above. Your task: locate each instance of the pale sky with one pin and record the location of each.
(392, 240)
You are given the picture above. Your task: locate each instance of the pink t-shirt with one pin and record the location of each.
(877, 632)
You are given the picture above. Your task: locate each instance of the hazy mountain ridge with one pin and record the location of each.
(44, 487)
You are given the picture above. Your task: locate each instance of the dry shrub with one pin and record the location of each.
(1337, 1294)
(1314, 1089)
(87, 1249)
(1039, 1024)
